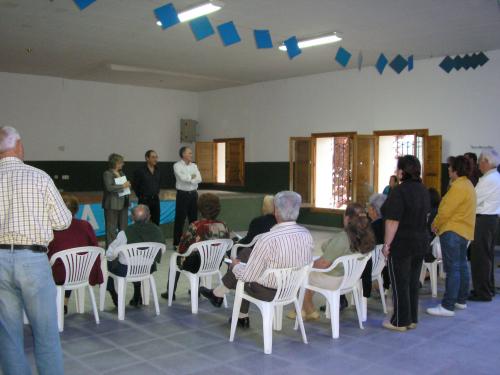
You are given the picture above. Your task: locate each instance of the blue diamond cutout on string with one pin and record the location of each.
(398, 64)
(167, 15)
(410, 63)
(482, 59)
(263, 39)
(474, 61)
(343, 56)
(201, 28)
(292, 47)
(381, 63)
(447, 64)
(458, 62)
(82, 4)
(228, 33)
(467, 62)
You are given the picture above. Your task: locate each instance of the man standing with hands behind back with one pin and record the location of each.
(146, 185)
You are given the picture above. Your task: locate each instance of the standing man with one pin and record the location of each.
(146, 185)
(187, 178)
(483, 248)
(30, 209)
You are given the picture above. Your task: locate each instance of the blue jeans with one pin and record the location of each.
(26, 283)
(454, 249)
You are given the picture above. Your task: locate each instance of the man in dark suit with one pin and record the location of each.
(146, 185)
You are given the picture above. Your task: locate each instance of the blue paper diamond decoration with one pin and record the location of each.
(447, 64)
(467, 62)
(228, 33)
(482, 58)
(410, 63)
(381, 63)
(167, 15)
(458, 62)
(201, 28)
(82, 4)
(292, 47)
(263, 39)
(474, 61)
(398, 64)
(343, 56)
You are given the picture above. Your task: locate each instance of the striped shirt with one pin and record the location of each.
(286, 245)
(30, 205)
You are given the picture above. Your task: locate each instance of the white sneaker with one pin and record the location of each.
(460, 306)
(440, 311)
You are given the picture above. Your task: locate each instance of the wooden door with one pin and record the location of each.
(432, 162)
(364, 168)
(235, 162)
(205, 153)
(301, 167)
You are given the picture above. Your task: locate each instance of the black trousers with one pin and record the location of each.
(482, 254)
(366, 279)
(404, 273)
(153, 202)
(186, 205)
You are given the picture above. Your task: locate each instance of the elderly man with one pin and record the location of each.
(30, 209)
(285, 245)
(487, 211)
(142, 230)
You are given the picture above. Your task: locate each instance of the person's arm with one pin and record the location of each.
(59, 215)
(187, 239)
(109, 183)
(255, 266)
(391, 227)
(121, 239)
(481, 192)
(182, 173)
(449, 204)
(253, 230)
(322, 263)
(91, 234)
(197, 178)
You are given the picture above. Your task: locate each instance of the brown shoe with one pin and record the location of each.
(412, 326)
(388, 325)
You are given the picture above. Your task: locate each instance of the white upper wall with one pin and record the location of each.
(92, 119)
(462, 106)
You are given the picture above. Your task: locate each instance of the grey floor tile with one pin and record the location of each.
(155, 348)
(192, 341)
(110, 360)
(142, 368)
(86, 345)
(184, 363)
(260, 363)
(72, 367)
(128, 336)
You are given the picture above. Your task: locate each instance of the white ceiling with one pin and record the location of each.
(70, 43)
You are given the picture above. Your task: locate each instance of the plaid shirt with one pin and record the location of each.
(30, 205)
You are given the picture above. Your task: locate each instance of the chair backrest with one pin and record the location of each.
(140, 257)
(378, 260)
(78, 263)
(354, 266)
(436, 248)
(288, 282)
(211, 254)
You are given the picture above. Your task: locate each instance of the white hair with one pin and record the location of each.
(140, 213)
(287, 205)
(376, 201)
(8, 138)
(491, 157)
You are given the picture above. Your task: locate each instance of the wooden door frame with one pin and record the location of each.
(291, 151)
(355, 164)
(242, 162)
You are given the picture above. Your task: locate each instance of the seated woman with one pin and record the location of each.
(261, 224)
(357, 237)
(208, 228)
(393, 182)
(79, 233)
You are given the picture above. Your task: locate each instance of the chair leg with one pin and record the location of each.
(102, 293)
(300, 321)
(434, 279)
(145, 292)
(302, 292)
(194, 281)
(152, 283)
(94, 305)
(60, 308)
(422, 273)
(364, 308)
(267, 327)
(25, 317)
(442, 274)
(380, 282)
(121, 298)
(220, 283)
(172, 270)
(236, 310)
(278, 318)
(359, 308)
(333, 302)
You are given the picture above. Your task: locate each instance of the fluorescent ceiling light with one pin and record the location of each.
(200, 10)
(325, 39)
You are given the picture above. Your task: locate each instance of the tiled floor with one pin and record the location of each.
(177, 342)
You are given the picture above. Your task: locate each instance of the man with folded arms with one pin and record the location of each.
(483, 248)
(31, 208)
(286, 245)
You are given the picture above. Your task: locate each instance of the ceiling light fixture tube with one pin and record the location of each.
(325, 39)
(200, 10)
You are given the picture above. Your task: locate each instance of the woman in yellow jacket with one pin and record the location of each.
(454, 224)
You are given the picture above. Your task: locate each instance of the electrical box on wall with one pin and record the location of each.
(188, 130)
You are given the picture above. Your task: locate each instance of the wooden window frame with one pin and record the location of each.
(242, 163)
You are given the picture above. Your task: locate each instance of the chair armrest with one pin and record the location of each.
(234, 249)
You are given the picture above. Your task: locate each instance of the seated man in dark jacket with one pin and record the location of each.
(142, 230)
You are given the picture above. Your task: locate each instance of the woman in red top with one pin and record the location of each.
(79, 233)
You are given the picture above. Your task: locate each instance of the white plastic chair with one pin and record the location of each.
(378, 265)
(288, 281)
(432, 267)
(139, 258)
(78, 263)
(211, 254)
(354, 266)
(234, 249)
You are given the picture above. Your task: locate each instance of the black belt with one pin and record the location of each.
(188, 191)
(36, 248)
(487, 215)
(148, 197)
